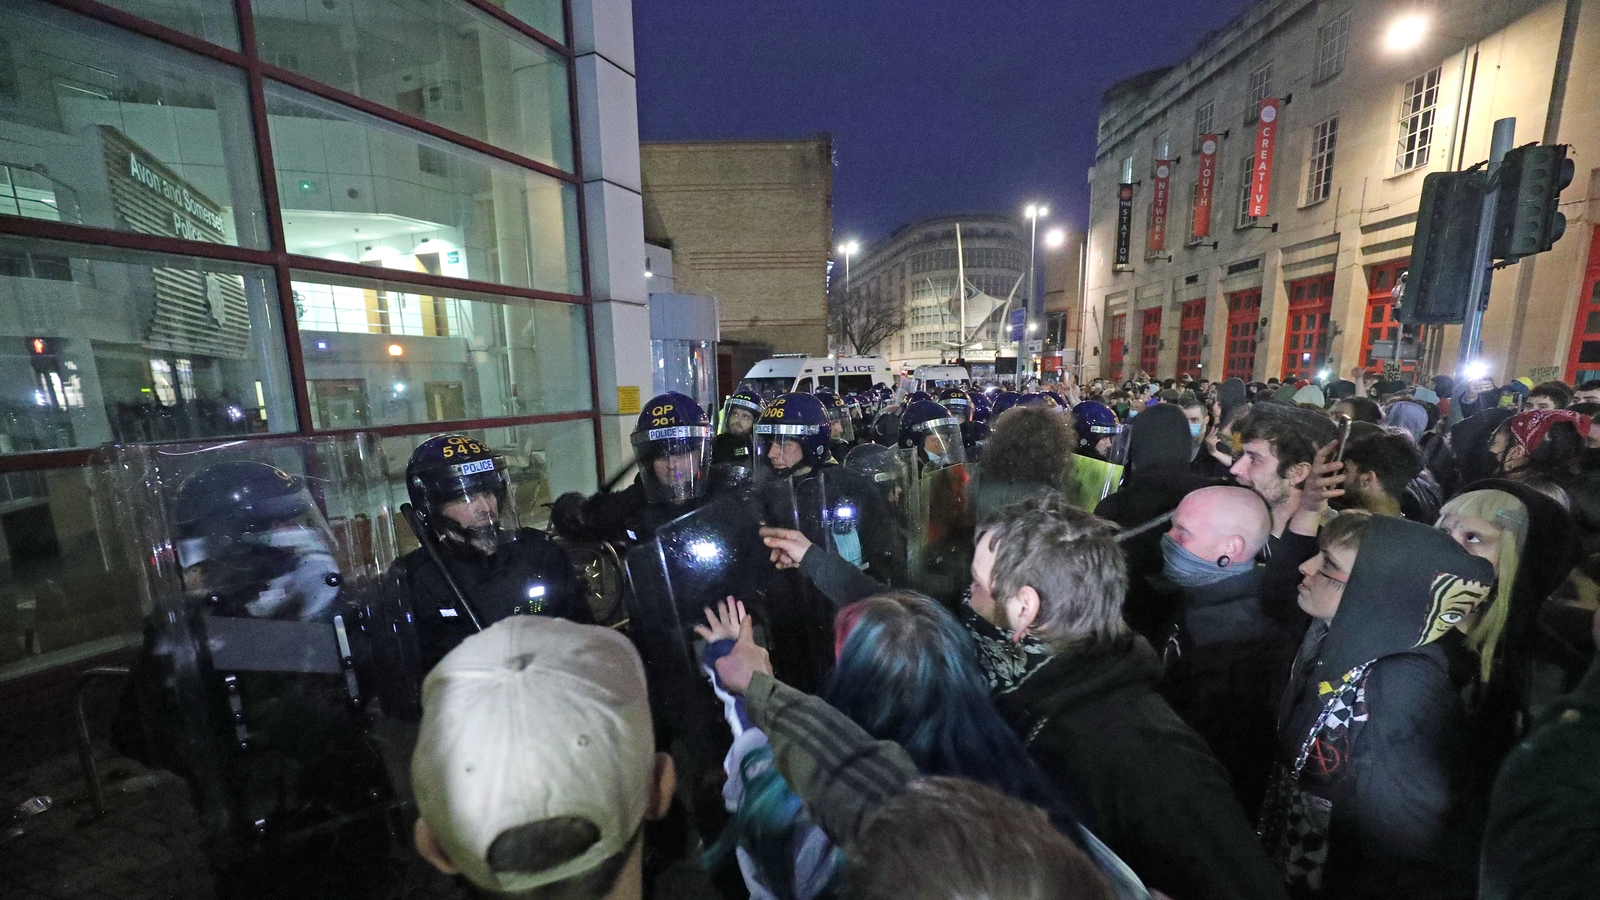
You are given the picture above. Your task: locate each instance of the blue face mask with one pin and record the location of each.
(1187, 570)
(1195, 428)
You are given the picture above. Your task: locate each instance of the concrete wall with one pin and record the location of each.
(749, 223)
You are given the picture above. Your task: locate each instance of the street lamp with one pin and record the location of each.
(1034, 212)
(1406, 32)
(1055, 237)
(849, 249)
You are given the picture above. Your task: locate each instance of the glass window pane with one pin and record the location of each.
(358, 189)
(437, 60)
(545, 460)
(381, 353)
(116, 131)
(544, 15)
(210, 20)
(103, 345)
(63, 596)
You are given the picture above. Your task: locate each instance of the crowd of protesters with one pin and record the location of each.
(1326, 640)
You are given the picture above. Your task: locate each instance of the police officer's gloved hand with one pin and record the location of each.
(566, 515)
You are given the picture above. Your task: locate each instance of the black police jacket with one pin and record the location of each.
(528, 576)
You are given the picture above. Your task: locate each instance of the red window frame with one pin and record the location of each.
(1150, 341)
(1244, 319)
(1305, 344)
(1586, 329)
(1380, 323)
(1117, 345)
(1191, 325)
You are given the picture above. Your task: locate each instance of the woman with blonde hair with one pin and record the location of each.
(1532, 543)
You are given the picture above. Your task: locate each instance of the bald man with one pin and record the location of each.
(1226, 658)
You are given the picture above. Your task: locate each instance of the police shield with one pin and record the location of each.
(929, 505)
(1091, 481)
(257, 564)
(888, 474)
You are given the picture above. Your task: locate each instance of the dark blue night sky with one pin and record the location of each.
(936, 106)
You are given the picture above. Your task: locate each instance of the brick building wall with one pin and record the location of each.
(750, 223)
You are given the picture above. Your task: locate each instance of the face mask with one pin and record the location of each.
(1195, 428)
(938, 460)
(1187, 570)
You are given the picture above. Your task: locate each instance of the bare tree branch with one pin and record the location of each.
(861, 320)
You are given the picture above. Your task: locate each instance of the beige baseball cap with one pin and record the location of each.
(534, 726)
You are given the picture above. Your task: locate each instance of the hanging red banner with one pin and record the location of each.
(1206, 185)
(1159, 202)
(1261, 168)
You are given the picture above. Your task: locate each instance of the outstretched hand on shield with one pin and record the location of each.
(788, 546)
(746, 658)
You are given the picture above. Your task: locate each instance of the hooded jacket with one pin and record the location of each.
(1160, 800)
(1230, 396)
(1469, 441)
(1373, 797)
(1158, 478)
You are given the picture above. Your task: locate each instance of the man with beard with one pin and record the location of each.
(1383, 474)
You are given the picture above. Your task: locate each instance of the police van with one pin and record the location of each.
(936, 378)
(796, 372)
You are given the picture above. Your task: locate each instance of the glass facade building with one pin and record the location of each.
(245, 220)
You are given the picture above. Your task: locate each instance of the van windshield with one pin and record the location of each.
(768, 388)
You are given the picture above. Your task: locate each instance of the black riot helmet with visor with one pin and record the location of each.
(838, 411)
(793, 435)
(462, 492)
(672, 442)
(928, 428)
(740, 412)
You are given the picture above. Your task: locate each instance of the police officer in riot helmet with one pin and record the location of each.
(961, 405)
(735, 441)
(928, 428)
(461, 493)
(249, 691)
(672, 444)
(842, 435)
(1097, 429)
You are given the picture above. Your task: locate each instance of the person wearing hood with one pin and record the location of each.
(1499, 521)
(1225, 657)
(1156, 479)
(1469, 443)
(1230, 396)
(1372, 796)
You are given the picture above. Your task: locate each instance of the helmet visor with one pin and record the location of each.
(674, 463)
(939, 443)
(739, 416)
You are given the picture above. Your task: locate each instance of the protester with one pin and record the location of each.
(1203, 429)
(1541, 842)
(1368, 800)
(1048, 582)
(1550, 395)
(1541, 445)
(535, 766)
(1279, 446)
(1227, 657)
(1384, 475)
(1156, 479)
(1028, 453)
(1470, 439)
(1359, 409)
(1587, 392)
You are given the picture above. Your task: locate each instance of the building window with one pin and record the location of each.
(1150, 341)
(1243, 309)
(1417, 102)
(1333, 42)
(1242, 217)
(1127, 169)
(1164, 144)
(1191, 328)
(1319, 178)
(1260, 89)
(1305, 347)
(1202, 119)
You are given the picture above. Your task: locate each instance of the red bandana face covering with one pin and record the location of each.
(1530, 427)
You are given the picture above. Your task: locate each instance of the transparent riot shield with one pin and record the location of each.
(855, 523)
(694, 562)
(888, 473)
(258, 564)
(944, 527)
(1092, 480)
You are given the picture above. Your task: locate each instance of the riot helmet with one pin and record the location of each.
(957, 402)
(461, 490)
(672, 442)
(838, 415)
(249, 536)
(793, 434)
(980, 406)
(1095, 423)
(929, 428)
(1057, 399)
(740, 412)
(915, 396)
(1004, 400)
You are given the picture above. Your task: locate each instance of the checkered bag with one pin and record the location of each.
(1295, 821)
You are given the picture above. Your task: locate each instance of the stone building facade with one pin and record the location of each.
(749, 223)
(1364, 119)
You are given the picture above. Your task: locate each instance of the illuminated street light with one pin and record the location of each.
(1055, 237)
(849, 249)
(396, 350)
(1406, 32)
(1034, 213)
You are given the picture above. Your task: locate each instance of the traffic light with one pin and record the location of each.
(1439, 278)
(1526, 219)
